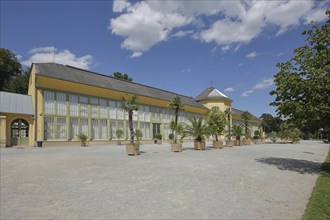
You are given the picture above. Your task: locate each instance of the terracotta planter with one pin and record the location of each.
(237, 142)
(217, 144)
(199, 145)
(159, 141)
(83, 144)
(176, 147)
(248, 142)
(133, 149)
(118, 142)
(229, 143)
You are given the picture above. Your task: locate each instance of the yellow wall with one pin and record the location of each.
(3, 131)
(223, 104)
(61, 85)
(10, 118)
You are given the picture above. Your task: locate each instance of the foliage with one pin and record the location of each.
(319, 203)
(182, 131)
(246, 116)
(82, 137)
(228, 114)
(171, 136)
(177, 106)
(138, 134)
(129, 105)
(119, 133)
(256, 134)
(238, 131)
(198, 129)
(125, 77)
(158, 136)
(270, 123)
(302, 93)
(216, 121)
(13, 78)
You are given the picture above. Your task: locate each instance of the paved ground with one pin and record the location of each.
(246, 182)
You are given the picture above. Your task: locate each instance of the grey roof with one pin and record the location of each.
(73, 74)
(210, 93)
(15, 103)
(239, 112)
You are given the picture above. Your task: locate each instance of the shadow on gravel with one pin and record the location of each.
(299, 166)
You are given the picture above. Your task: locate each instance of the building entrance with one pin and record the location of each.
(19, 132)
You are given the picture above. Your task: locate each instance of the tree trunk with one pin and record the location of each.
(216, 137)
(130, 124)
(176, 126)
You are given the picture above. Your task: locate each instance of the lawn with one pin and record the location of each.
(319, 203)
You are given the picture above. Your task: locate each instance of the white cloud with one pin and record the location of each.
(120, 5)
(264, 83)
(229, 89)
(247, 93)
(251, 55)
(46, 55)
(280, 54)
(229, 24)
(136, 54)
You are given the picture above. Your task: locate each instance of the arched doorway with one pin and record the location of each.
(19, 132)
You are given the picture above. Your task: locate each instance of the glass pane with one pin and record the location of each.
(74, 129)
(61, 128)
(73, 102)
(49, 128)
(104, 129)
(61, 103)
(84, 126)
(49, 102)
(95, 129)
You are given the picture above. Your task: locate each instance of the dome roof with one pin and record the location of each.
(210, 93)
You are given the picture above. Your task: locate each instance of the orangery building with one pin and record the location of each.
(63, 101)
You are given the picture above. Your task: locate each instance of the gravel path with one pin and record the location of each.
(102, 182)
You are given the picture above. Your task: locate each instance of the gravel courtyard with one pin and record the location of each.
(102, 182)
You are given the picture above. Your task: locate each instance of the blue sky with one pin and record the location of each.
(180, 46)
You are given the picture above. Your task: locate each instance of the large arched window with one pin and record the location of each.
(19, 128)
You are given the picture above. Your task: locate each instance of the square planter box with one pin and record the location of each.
(176, 147)
(199, 145)
(133, 149)
(229, 143)
(237, 142)
(218, 144)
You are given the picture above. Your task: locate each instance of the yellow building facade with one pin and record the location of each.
(67, 100)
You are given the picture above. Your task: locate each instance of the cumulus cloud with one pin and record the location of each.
(264, 83)
(229, 89)
(229, 24)
(247, 93)
(251, 55)
(51, 54)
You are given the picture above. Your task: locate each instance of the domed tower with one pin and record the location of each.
(212, 97)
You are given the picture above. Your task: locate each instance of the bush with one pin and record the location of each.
(119, 133)
(159, 136)
(171, 136)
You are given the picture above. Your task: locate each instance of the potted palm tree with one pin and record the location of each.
(83, 139)
(237, 132)
(129, 105)
(198, 129)
(246, 116)
(216, 121)
(177, 106)
(119, 135)
(138, 135)
(229, 141)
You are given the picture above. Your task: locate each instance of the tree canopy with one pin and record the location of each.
(177, 106)
(302, 93)
(12, 77)
(217, 122)
(119, 75)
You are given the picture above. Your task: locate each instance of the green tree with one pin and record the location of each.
(19, 83)
(246, 116)
(198, 129)
(238, 131)
(216, 121)
(270, 123)
(119, 75)
(9, 68)
(177, 106)
(302, 93)
(130, 105)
